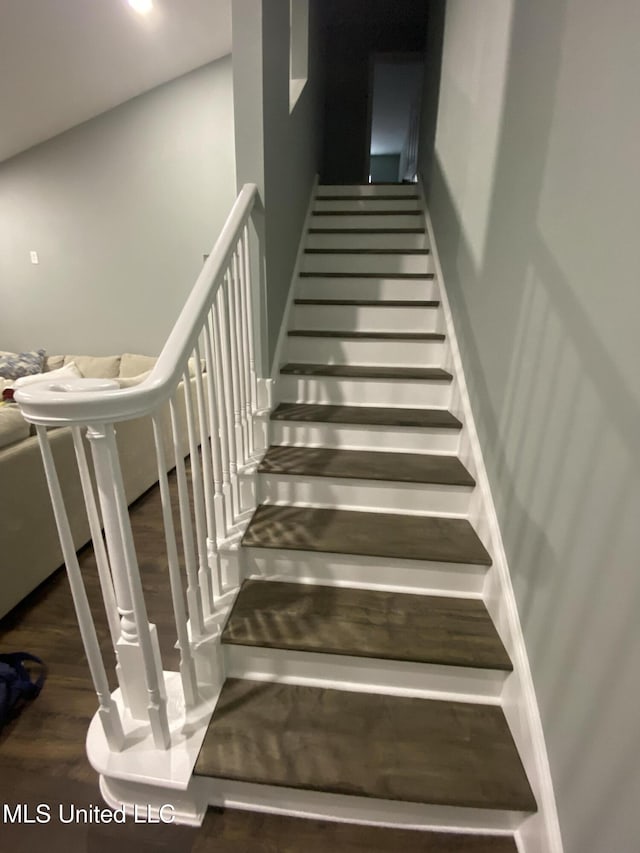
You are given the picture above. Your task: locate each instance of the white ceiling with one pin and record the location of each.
(64, 61)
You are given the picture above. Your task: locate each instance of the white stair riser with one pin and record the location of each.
(188, 807)
(318, 287)
(363, 392)
(367, 263)
(366, 241)
(373, 495)
(350, 437)
(317, 805)
(361, 674)
(358, 220)
(364, 318)
(367, 204)
(365, 351)
(382, 573)
(367, 190)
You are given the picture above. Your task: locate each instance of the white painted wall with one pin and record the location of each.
(120, 210)
(535, 198)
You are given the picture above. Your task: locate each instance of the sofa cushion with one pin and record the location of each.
(14, 365)
(13, 426)
(96, 366)
(53, 362)
(69, 371)
(133, 365)
(131, 381)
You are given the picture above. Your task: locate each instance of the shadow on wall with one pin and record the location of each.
(559, 427)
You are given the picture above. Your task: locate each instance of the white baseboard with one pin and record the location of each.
(540, 833)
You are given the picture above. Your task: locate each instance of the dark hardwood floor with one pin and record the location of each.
(42, 752)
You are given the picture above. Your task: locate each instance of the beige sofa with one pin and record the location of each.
(29, 547)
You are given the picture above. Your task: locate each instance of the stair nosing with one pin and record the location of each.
(346, 251)
(373, 303)
(439, 375)
(468, 484)
(366, 231)
(414, 276)
(412, 212)
(376, 336)
(457, 425)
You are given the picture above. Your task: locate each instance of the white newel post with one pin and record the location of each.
(108, 710)
(138, 649)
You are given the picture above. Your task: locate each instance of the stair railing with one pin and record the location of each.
(203, 400)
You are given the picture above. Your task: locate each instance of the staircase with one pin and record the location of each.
(363, 672)
(347, 638)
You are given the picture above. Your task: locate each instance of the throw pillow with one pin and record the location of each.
(21, 364)
(96, 366)
(69, 371)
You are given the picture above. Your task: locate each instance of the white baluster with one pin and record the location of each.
(244, 321)
(225, 348)
(108, 710)
(95, 526)
(240, 353)
(138, 648)
(221, 403)
(251, 321)
(187, 665)
(214, 421)
(208, 480)
(204, 586)
(194, 600)
(229, 296)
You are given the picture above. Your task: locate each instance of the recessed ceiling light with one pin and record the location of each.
(141, 6)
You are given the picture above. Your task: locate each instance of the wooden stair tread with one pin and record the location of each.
(415, 276)
(414, 212)
(376, 336)
(238, 831)
(366, 230)
(366, 415)
(365, 623)
(367, 251)
(374, 303)
(354, 371)
(381, 197)
(424, 468)
(389, 747)
(369, 534)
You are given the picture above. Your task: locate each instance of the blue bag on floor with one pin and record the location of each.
(16, 686)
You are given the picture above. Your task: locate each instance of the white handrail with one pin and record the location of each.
(84, 401)
(201, 401)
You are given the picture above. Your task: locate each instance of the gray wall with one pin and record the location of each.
(276, 149)
(120, 210)
(535, 196)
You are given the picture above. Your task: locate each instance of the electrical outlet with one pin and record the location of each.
(34, 257)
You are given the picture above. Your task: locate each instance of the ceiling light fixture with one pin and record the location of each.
(141, 6)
